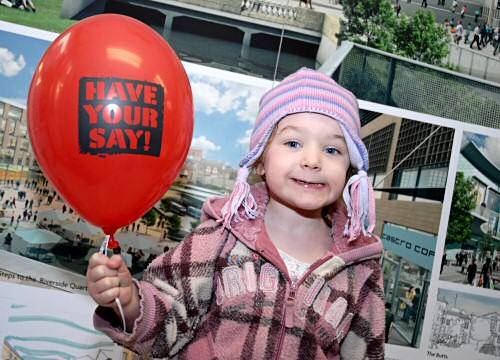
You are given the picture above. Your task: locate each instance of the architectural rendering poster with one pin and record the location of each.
(470, 255)
(37, 323)
(38, 225)
(409, 162)
(415, 160)
(465, 326)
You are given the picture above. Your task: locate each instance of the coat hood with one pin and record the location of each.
(249, 231)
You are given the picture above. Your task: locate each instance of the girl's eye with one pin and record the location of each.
(293, 144)
(331, 150)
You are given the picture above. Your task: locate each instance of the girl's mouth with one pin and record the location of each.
(308, 185)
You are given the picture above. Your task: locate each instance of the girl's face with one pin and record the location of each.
(305, 162)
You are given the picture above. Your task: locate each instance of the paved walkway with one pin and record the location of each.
(56, 206)
(452, 273)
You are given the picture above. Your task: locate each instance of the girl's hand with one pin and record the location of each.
(108, 279)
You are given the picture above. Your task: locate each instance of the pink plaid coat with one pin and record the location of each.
(226, 294)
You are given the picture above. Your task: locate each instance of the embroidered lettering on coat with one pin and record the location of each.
(250, 277)
(313, 291)
(233, 281)
(269, 277)
(321, 300)
(336, 312)
(309, 297)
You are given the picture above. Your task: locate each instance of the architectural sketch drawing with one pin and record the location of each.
(467, 323)
(47, 324)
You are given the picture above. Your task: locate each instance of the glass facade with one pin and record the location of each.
(382, 78)
(433, 177)
(406, 282)
(416, 148)
(378, 145)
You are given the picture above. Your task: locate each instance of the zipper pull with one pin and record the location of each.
(290, 308)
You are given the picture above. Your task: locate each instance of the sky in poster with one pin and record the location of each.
(489, 145)
(225, 106)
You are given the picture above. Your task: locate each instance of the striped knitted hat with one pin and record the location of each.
(309, 91)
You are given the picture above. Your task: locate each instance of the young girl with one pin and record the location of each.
(285, 269)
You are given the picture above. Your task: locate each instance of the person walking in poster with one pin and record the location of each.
(463, 11)
(471, 272)
(486, 273)
(443, 262)
(477, 34)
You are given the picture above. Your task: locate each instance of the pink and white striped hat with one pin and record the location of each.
(309, 91)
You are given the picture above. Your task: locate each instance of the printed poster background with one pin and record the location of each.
(37, 224)
(36, 324)
(218, 144)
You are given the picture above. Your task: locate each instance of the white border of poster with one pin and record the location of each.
(392, 351)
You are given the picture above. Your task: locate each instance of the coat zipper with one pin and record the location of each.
(290, 303)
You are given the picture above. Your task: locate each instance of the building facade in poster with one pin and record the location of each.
(16, 156)
(408, 166)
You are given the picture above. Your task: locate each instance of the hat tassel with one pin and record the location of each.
(360, 203)
(241, 196)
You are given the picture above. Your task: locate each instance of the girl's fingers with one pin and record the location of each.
(106, 284)
(108, 279)
(100, 272)
(107, 298)
(124, 275)
(97, 259)
(116, 262)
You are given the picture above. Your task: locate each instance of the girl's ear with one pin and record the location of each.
(259, 168)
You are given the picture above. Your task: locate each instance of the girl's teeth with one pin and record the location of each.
(307, 184)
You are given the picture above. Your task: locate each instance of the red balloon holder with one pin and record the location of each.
(113, 243)
(110, 243)
(119, 113)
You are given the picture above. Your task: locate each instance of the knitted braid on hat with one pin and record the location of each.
(309, 91)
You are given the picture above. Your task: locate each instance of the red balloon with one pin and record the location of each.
(110, 118)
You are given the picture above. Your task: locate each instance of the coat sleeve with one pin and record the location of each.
(366, 336)
(175, 293)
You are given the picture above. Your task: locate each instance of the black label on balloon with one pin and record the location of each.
(120, 116)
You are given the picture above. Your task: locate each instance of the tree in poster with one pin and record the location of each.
(174, 224)
(369, 22)
(165, 204)
(460, 223)
(420, 38)
(374, 23)
(149, 219)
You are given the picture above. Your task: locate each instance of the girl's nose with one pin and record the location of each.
(310, 159)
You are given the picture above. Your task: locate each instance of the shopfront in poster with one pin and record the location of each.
(407, 266)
